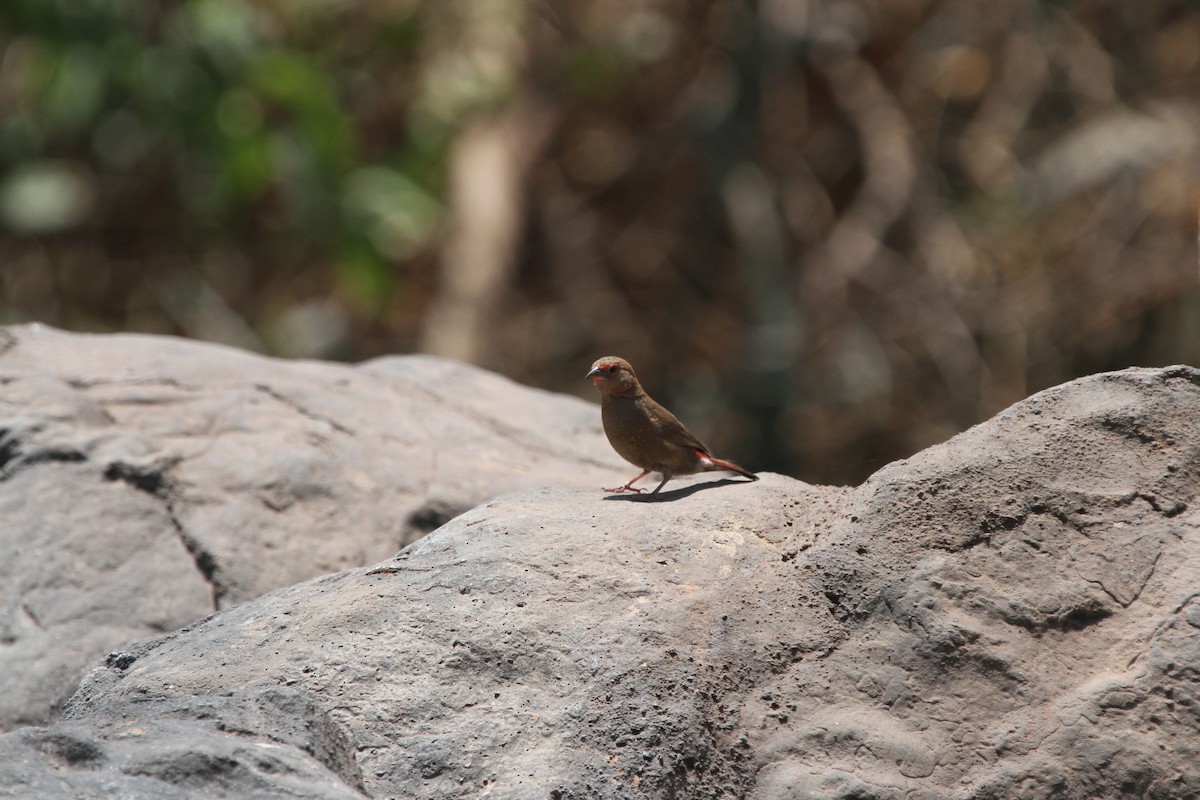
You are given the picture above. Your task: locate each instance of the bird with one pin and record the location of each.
(645, 433)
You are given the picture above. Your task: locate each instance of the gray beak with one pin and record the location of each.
(593, 374)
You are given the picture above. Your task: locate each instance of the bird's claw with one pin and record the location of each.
(620, 489)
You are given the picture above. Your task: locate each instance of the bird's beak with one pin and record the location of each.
(594, 376)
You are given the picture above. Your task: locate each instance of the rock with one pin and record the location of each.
(146, 482)
(1011, 614)
(257, 743)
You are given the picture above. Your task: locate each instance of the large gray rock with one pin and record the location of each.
(1013, 614)
(146, 481)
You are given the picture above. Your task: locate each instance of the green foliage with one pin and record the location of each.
(241, 118)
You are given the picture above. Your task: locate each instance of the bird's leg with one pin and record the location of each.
(666, 477)
(629, 486)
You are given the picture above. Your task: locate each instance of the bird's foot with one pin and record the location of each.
(626, 488)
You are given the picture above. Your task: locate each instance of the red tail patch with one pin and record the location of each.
(728, 465)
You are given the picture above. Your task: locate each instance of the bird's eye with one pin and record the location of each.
(612, 368)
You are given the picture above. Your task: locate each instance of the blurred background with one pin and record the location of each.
(827, 234)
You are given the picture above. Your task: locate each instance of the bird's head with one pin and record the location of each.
(613, 376)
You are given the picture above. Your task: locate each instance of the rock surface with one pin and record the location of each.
(146, 482)
(1013, 614)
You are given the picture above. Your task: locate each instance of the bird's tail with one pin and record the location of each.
(720, 463)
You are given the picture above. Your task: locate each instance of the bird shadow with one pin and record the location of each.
(672, 495)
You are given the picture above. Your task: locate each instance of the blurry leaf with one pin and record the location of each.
(239, 113)
(248, 166)
(396, 214)
(299, 86)
(172, 82)
(403, 34)
(363, 278)
(71, 86)
(228, 30)
(45, 197)
(461, 83)
(424, 162)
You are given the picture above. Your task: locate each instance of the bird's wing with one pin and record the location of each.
(672, 430)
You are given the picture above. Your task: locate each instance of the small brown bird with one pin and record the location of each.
(644, 433)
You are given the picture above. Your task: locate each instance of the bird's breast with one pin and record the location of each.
(633, 433)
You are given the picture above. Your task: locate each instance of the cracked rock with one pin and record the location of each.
(1012, 613)
(147, 481)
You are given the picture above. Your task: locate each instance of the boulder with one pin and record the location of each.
(1013, 613)
(147, 481)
